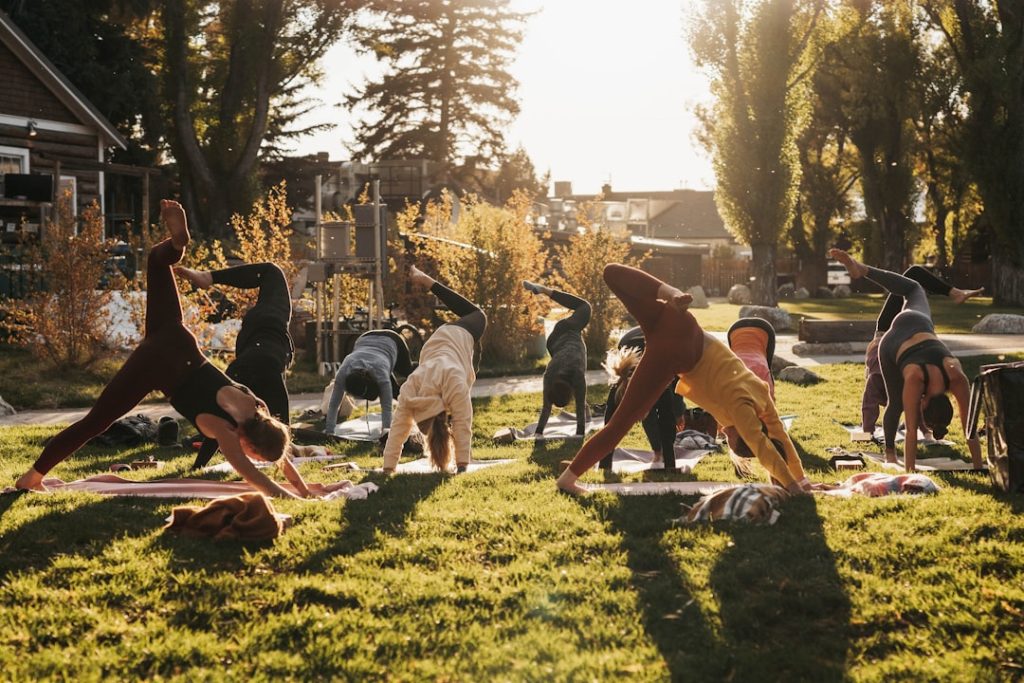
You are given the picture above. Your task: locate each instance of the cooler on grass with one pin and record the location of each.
(999, 388)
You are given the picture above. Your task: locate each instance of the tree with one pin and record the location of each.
(877, 64)
(759, 55)
(518, 173)
(985, 39)
(232, 72)
(446, 94)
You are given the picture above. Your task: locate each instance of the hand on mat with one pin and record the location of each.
(319, 490)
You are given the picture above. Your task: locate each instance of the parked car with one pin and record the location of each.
(837, 274)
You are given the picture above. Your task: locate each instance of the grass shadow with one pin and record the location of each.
(985, 487)
(386, 512)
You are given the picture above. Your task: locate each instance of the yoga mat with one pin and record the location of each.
(922, 464)
(369, 427)
(424, 466)
(559, 427)
(858, 436)
(632, 460)
(113, 485)
(660, 488)
(262, 464)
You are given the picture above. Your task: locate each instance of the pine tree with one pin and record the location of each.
(446, 94)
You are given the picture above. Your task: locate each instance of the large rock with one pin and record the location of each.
(787, 291)
(842, 291)
(799, 375)
(6, 408)
(801, 293)
(779, 318)
(1000, 323)
(823, 293)
(700, 299)
(739, 295)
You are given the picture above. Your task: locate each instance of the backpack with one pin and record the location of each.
(127, 432)
(999, 389)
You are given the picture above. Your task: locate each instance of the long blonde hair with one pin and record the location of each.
(620, 363)
(439, 440)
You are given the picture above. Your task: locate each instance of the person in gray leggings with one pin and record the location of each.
(917, 368)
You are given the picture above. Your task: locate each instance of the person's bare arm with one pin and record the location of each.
(912, 388)
(960, 387)
(227, 437)
(293, 476)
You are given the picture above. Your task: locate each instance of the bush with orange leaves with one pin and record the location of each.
(62, 320)
(580, 270)
(484, 256)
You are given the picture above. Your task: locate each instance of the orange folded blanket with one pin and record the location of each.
(246, 517)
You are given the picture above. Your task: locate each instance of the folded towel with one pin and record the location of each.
(245, 517)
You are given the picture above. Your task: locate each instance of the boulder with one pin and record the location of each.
(823, 293)
(787, 291)
(6, 408)
(1000, 323)
(779, 318)
(700, 299)
(739, 295)
(842, 291)
(801, 293)
(798, 375)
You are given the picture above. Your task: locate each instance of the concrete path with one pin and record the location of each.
(960, 344)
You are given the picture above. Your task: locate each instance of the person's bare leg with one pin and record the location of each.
(173, 216)
(674, 296)
(961, 295)
(855, 268)
(200, 279)
(418, 277)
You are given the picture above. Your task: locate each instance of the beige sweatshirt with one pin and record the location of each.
(441, 383)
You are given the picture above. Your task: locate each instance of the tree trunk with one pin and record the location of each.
(1007, 279)
(763, 290)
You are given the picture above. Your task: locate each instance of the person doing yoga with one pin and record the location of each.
(168, 359)
(709, 374)
(436, 395)
(565, 377)
(917, 368)
(753, 342)
(874, 385)
(368, 372)
(263, 348)
(661, 420)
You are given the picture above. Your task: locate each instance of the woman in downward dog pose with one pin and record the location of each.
(565, 377)
(436, 395)
(168, 359)
(368, 372)
(709, 374)
(917, 368)
(874, 384)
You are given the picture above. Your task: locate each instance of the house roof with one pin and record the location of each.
(48, 74)
(690, 216)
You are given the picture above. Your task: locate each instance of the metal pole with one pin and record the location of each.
(378, 282)
(318, 327)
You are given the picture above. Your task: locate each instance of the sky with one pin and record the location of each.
(606, 89)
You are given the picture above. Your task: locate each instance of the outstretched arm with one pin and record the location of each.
(293, 476)
(581, 404)
(911, 400)
(232, 451)
(961, 390)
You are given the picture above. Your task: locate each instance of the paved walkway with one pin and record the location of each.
(961, 344)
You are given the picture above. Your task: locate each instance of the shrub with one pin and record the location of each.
(62, 321)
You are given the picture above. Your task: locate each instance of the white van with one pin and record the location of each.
(837, 274)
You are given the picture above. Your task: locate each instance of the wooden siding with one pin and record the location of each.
(25, 95)
(65, 145)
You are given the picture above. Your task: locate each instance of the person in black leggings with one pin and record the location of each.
(874, 385)
(917, 368)
(263, 348)
(566, 374)
(660, 423)
(168, 359)
(436, 396)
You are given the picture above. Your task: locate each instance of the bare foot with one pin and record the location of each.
(681, 301)
(30, 481)
(855, 268)
(568, 482)
(961, 295)
(174, 218)
(420, 278)
(200, 279)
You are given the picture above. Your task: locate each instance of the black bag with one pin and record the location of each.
(1000, 390)
(127, 432)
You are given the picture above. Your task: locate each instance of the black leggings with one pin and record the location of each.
(894, 302)
(471, 318)
(575, 323)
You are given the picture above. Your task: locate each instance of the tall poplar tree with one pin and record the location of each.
(759, 55)
(446, 93)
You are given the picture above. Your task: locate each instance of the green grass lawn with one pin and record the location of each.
(494, 576)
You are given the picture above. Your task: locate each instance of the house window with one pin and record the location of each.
(12, 160)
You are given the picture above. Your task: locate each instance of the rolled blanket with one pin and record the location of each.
(754, 503)
(245, 517)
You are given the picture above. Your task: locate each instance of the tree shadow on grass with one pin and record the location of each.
(985, 487)
(385, 512)
(783, 612)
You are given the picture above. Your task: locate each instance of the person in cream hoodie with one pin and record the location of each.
(435, 397)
